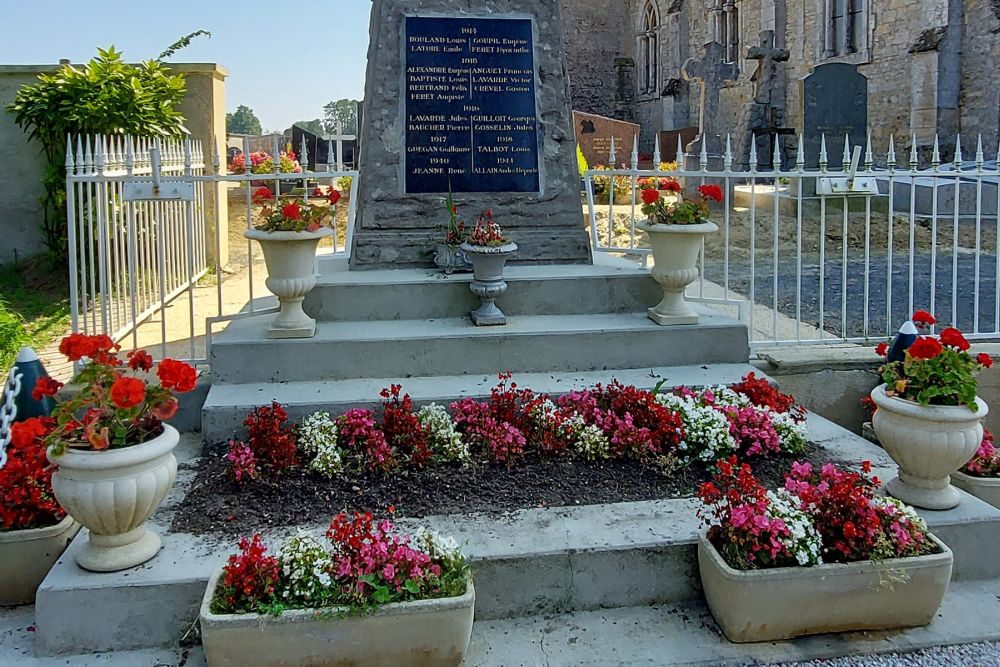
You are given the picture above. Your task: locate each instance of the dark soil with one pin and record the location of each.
(215, 504)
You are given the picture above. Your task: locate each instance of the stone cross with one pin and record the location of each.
(712, 72)
(767, 57)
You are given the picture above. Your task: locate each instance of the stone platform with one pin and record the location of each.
(589, 566)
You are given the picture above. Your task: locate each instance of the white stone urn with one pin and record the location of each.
(112, 493)
(26, 556)
(675, 258)
(928, 443)
(487, 280)
(291, 274)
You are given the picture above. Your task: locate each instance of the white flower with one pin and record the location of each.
(317, 438)
(791, 431)
(804, 543)
(445, 442)
(306, 563)
(706, 430)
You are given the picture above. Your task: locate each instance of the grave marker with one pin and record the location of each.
(834, 101)
(711, 72)
(594, 134)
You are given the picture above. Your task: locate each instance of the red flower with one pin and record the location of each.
(952, 337)
(882, 349)
(24, 434)
(77, 346)
(176, 375)
(139, 360)
(671, 185)
(261, 195)
(318, 192)
(712, 191)
(925, 347)
(45, 386)
(291, 211)
(335, 196)
(984, 360)
(165, 410)
(923, 317)
(650, 197)
(128, 392)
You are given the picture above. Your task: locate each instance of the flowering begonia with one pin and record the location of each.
(317, 439)
(986, 461)
(26, 499)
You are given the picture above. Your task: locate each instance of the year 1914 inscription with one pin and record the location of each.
(471, 120)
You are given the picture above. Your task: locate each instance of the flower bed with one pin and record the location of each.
(981, 475)
(517, 449)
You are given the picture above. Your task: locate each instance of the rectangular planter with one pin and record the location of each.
(28, 555)
(786, 602)
(423, 633)
(986, 489)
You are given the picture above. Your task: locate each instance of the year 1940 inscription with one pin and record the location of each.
(471, 120)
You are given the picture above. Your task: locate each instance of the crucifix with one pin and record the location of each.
(339, 138)
(767, 56)
(712, 72)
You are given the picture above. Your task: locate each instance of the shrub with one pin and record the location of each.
(12, 337)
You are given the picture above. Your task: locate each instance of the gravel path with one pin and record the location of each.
(986, 654)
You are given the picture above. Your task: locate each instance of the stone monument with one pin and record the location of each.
(594, 134)
(834, 100)
(471, 96)
(764, 117)
(711, 72)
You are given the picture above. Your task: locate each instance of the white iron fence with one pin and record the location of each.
(820, 255)
(147, 223)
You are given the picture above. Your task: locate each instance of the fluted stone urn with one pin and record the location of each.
(291, 274)
(487, 280)
(675, 257)
(112, 493)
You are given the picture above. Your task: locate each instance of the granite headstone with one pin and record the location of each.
(834, 102)
(594, 134)
(470, 96)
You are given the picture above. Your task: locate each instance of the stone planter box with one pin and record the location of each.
(28, 555)
(786, 602)
(424, 633)
(986, 489)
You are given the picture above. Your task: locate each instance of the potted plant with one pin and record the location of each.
(488, 250)
(928, 416)
(373, 597)
(112, 452)
(448, 253)
(289, 234)
(262, 163)
(826, 553)
(676, 232)
(34, 529)
(981, 475)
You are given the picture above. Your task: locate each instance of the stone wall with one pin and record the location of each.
(592, 29)
(204, 107)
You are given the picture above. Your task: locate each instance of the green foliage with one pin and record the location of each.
(107, 96)
(581, 161)
(947, 379)
(181, 43)
(12, 337)
(315, 126)
(243, 121)
(346, 111)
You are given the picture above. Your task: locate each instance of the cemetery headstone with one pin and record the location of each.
(594, 134)
(834, 100)
(711, 73)
(455, 98)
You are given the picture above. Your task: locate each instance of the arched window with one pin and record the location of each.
(648, 49)
(844, 27)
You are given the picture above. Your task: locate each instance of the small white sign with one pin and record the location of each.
(174, 191)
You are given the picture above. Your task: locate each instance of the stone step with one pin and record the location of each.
(537, 561)
(610, 285)
(228, 404)
(415, 348)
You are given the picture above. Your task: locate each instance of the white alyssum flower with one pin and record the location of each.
(804, 543)
(446, 443)
(305, 567)
(317, 438)
(707, 436)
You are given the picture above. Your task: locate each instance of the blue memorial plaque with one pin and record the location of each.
(469, 107)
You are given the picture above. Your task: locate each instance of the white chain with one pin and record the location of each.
(8, 411)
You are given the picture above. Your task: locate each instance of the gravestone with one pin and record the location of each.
(472, 96)
(594, 134)
(711, 73)
(762, 119)
(834, 102)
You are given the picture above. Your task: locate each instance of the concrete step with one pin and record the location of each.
(537, 561)
(228, 403)
(610, 285)
(419, 348)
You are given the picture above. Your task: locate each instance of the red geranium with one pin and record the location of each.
(45, 386)
(334, 195)
(925, 347)
(291, 211)
(671, 185)
(923, 317)
(711, 191)
(650, 196)
(984, 360)
(128, 392)
(26, 499)
(139, 360)
(954, 338)
(261, 195)
(177, 375)
(77, 346)
(882, 349)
